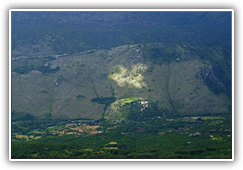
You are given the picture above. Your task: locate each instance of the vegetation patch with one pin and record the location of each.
(84, 128)
(110, 148)
(104, 100)
(43, 69)
(211, 118)
(37, 137)
(22, 137)
(219, 139)
(120, 108)
(80, 97)
(89, 150)
(112, 143)
(80, 129)
(161, 55)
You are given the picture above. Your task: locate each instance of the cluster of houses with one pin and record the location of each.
(144, 104)
(195, 134)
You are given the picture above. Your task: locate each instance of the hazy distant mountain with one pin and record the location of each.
(47, 33)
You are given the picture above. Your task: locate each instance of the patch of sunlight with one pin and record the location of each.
(124, 101)
(133, 78)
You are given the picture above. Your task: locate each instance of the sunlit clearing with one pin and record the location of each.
(133, 78)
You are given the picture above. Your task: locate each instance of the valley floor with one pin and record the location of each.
(202, 137)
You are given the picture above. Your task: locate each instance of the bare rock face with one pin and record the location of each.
(210, 76)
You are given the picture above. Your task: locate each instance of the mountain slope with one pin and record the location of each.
(169, 79)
